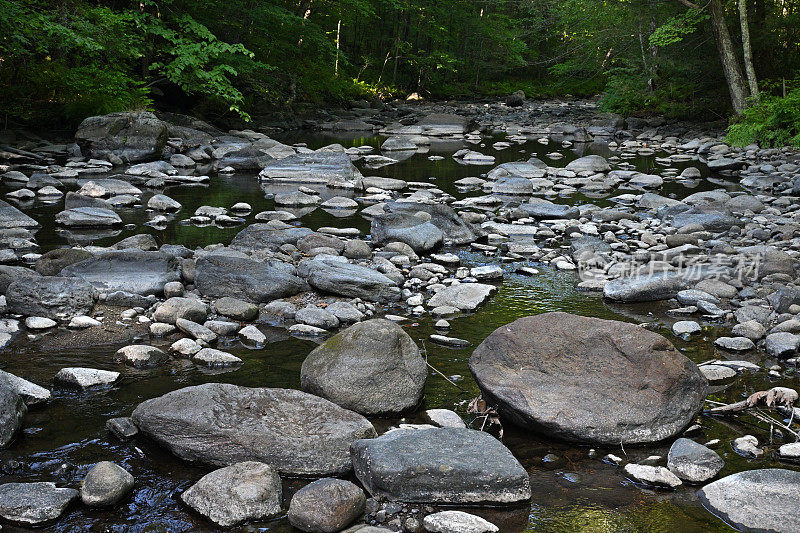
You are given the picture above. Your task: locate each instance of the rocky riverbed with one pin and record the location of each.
(544, 316)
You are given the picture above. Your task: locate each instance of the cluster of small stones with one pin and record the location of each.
(721, 257)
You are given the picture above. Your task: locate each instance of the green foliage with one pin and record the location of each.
(677, 27)
(775, 121)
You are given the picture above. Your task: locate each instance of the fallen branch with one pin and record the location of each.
(450, 381)
(772, 397)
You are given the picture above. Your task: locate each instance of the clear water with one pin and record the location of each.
(573, 493)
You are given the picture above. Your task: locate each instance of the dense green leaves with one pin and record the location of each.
(233, 59)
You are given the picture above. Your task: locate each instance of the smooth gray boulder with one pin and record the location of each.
(756, 500)
(455, 230)
(85, 377)
(335, 276)
(326, 506)
(643, 288)
(133, 271)
(440, 466)
(588, 380)
(53, 297)
(693, 462)
(221, 424)
(372, 368)
(105, 485)
(543, 209)
(131, 136)
(12, 411)
(34, 504)
(218, 276)
(421, 235)
(249, 490)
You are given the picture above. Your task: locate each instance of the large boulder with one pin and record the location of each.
(589, 163)
(337, 276)
(243, 491)
(756, 500)
(588, 380)
(130, 136)
(105, 485)
(440, 466)
(373, 368)
(422, 236)
(218, 276)
(221, 424)
(132, 271)
(53, 297)
(12, 411)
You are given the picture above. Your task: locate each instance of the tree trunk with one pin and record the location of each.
(727, 56)
(752, 81)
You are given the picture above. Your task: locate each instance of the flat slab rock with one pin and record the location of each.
(132, 271)
(588, 380)
(440, 465)
(34, 503)
(464, 296)
(221, 424)
(756, 500)
(457, 522)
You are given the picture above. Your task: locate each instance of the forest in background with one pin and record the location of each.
(240, 59)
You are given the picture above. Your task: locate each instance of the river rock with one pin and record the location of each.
(244, 491)
(644, 288)
(88, 217)
(181, 307)
(421, 235)
(217, 276)
(54, 261)
(589, 163)
(133, 271)
(34, 504)
(222, 424)
(320, 167)
(444, 418)
(53, 297)
(457, 522)
(440, 466)
(782, 345)
(141, 356)
(693, 462)
(236, 309)
(12, 411)
(653, 476)
(134, 136)
(588, 380)
(259, 237)
(11, 273)
(756, 500)
(326, 506)
(213, 358)
(85, 377)
(336, 276)
(464, 296)
(11, 217)
(31, 393)
(105, 485)
(373, 368)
